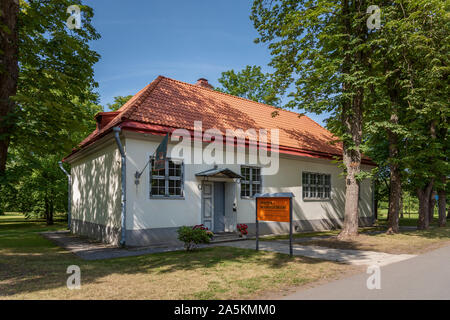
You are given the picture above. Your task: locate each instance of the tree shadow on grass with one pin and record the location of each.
(364, 242)
(30, 263)
(434, 232)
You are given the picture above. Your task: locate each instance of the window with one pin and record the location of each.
(316, 185)
(251, 184)
(167, 183)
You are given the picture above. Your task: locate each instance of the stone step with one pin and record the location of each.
(226, 237)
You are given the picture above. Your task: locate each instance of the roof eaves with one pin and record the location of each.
(127, 110)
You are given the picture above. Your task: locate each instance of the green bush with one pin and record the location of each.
(193, 237)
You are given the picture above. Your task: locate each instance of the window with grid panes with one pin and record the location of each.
(251, 184)
(167, 182)
(316, 185)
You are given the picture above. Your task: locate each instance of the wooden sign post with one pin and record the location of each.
(274, 207)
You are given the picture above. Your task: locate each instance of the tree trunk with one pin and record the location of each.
(350, 228)
(389, 199)
(424, 205)
(442, 203)
(9, 71)
(395, 179)
(375, 201)
(52, 210)
(431, 206)
(401, 203)
(48, 211)
(351, 119)
(352, 162)
(394, 200)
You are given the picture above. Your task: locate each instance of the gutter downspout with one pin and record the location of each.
(69, 197)
(374, 216)
(116, 131)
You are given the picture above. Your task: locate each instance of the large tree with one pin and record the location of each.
(390, 83)
(52, 108)
(48, 72)
(34, 184)
(408, 100)
(320, 50)
(250, 83)
(9, 72)
(424, 54)
(119, 101)
(386, 98)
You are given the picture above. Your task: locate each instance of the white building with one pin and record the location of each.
(190, 192)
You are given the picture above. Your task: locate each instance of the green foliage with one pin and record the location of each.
(309, 46)
(325, 58)
(119, 101)
(55, 103)
(37, 187)
(56, 78)
(193, 237)
(427, 38)
(250, 83)
(410, 68)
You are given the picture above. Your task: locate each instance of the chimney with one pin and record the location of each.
(202, 82)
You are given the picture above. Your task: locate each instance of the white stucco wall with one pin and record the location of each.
(289, 179)
(96, 187)
(144, 212)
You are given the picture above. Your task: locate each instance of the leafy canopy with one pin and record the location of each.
(250, 83)
(119, 101)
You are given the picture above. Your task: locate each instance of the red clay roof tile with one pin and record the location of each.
(175, 104)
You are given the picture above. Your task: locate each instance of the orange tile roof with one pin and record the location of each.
(174, 104)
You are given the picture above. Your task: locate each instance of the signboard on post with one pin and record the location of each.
(274, 207)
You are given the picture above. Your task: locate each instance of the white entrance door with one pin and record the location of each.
(230, 208)
(207, 205)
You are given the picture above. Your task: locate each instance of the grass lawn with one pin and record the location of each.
(412, 242)
(409, 241)
(409, 219)
(32, 267)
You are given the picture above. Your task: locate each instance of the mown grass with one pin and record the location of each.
(328, 233)
(409, 219)
(32, 267)
(410, 241)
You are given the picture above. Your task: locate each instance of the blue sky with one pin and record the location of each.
(184, 40)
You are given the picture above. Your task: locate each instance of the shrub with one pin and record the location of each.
(194, 236)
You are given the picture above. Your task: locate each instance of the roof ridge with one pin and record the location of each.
(141, 98)
(258, 111)
(241, 98)
(256, 102)
(130, 106)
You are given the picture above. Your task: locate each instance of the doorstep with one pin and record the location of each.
(226, 237)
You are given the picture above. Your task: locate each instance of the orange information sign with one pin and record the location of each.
(273, 209)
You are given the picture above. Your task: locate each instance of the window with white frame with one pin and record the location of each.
(167, 182)
(316, 185)
(251, 184)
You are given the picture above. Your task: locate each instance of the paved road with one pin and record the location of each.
(355, 257)
(93, 250)
(423, 277)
